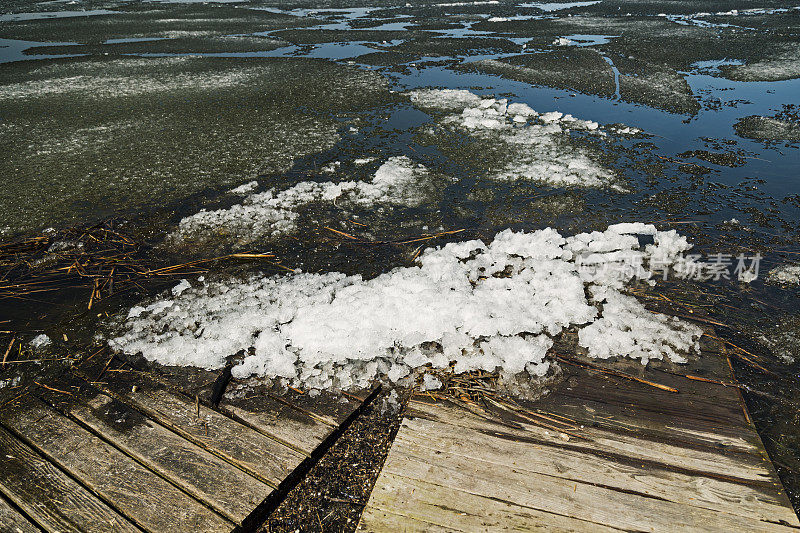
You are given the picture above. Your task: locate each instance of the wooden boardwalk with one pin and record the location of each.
(640, 459)
(115, 445)
(110, 447)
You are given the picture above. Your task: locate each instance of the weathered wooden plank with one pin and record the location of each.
(630, 420)
(640, 458)
(696, 400)
(144, 497)
(229, 490)
(13, 521)
(657, 413)
(422, 436)
(50, 497)
(746, 467)
(217, 483)
(427, 505)
(331, 408)
(263, 456)
(553, 495)
(275, 419)
(281, 422)
(326, 407)
(378, 520)
(653, 401)
(671, 375)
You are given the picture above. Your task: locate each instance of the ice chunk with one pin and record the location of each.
(246, 188)
(785, 275)
(521, 109)
(627, 329)
(40, 341)
(397, 372)
(639, 228)
(431, 382)
(535, 151)
(551, 116)
(180, 287)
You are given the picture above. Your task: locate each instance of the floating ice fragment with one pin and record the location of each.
(445, 98)
(535, 151)
(628, 228)
(272, 213)
(331, 168)
(521, 109)
(40, 341)
(552, 116)
(785, 275)
(178, 289)
(246, 188)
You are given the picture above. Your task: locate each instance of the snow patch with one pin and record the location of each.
(469, 304)
(444, 98)
(537, 145)
(273, 213)
(627, 327)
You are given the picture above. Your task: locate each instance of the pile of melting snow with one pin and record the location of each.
(273, 213)
(537, 144)
(475, 305)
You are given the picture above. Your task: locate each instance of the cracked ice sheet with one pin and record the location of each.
(537, 144)
(494, 306)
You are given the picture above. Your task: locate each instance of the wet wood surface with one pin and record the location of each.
(600, 452)
(115, 446)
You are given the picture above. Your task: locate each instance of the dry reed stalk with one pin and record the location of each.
(8, 351)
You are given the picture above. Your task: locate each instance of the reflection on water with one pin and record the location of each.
(558, 6)
(133, 40)
(13, 50)
(672, 133)
(580, 39)
(43, 15)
